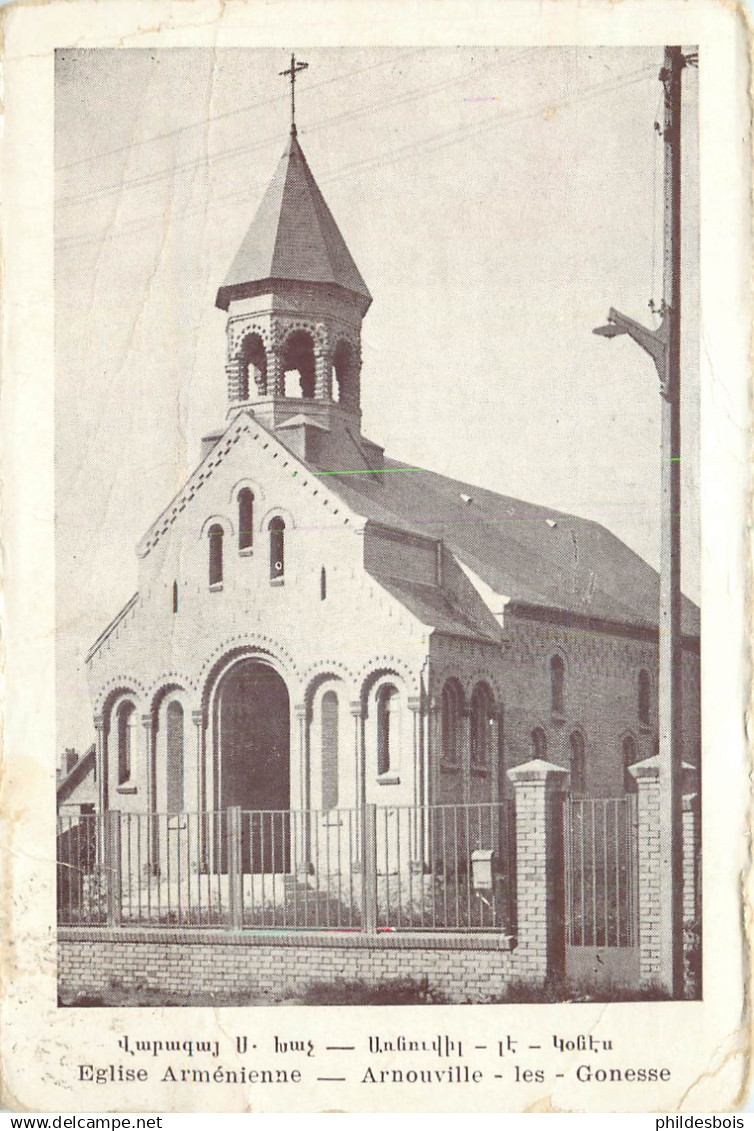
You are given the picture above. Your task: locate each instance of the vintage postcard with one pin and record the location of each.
(375, 483)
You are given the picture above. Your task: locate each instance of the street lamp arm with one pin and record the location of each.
(653, 342)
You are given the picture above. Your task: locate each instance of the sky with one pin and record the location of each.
(497, 203)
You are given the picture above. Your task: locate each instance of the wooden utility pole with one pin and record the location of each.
(663, 346)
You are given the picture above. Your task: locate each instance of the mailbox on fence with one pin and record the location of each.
(481, 869)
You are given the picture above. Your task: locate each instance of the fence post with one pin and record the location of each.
(539, 867)
(235, 879)
(369, 869)
(113, 867)
(649, 864)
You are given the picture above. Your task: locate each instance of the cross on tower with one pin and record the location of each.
(293, 70)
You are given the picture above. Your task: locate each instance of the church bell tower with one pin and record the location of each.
(295, 302)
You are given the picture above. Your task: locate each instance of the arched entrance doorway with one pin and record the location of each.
(253, 763)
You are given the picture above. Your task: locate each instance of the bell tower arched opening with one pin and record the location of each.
(343, 373)
(299, 365)
(252, 368)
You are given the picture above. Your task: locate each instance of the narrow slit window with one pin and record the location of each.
(644, 698)
(322, 584)
(277, 549)
(245, 519)
(539, 743)
(216, 554)
(175, 596)
(578, 764)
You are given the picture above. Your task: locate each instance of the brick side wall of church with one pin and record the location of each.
(600, 695)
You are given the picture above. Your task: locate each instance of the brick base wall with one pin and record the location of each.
(205, 963)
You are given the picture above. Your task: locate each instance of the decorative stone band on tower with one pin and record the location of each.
(263, 347)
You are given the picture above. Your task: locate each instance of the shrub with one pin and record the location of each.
(399, 991)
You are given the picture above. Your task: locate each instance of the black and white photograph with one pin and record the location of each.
(389, 423)
(390, 702)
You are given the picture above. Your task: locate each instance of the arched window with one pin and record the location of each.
(125, 719)
(481, 720)
(175, 596)
(245, 518)
(329, 725)
(539, 743)
(451, 723)
(644, 697)
(557, 684)
(578, 764)
(174, 734)
(388, 728)
(253, 368)
(299, 365)
(215, 554)
(322, 584)
(277, 548)
(629, 754)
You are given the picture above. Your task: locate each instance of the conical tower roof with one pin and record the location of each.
(293, 237)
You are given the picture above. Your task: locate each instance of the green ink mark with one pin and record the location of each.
(372, 471)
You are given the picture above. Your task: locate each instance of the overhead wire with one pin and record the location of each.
(222, 155)
(437, 142)
(233, 113)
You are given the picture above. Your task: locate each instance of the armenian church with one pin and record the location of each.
(319, 625)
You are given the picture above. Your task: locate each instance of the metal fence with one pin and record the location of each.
(600, 872)
(433, 868)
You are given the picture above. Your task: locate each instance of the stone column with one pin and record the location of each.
(358, 754)
(647, 777)
(202, 847)
(197, 717)
(417, 823)
(539, 868)
(150, 769)
(99, 763)
(233, 377)
(434, 747)
(322, 373)
(359, 784)
(465, 755)
(275, 379)
(301, 769)
(152, 831)
(301, 830)
(353, 382)
(494, 755)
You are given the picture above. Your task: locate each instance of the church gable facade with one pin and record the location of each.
(301, 641)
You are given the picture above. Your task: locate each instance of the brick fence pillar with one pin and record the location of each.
(539, 867)
(690, 857)
(647, 776)
(692, 897)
